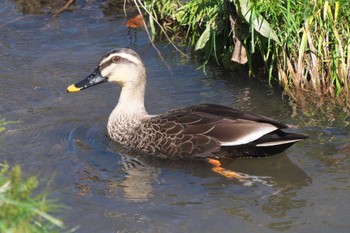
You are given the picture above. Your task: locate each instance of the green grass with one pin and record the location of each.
(2, 124)
(313, 58)
(303, 45)
(22, 210)
(199, 23)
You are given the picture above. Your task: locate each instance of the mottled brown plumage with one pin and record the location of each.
(198, 131)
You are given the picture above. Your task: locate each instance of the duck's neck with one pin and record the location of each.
(127, 115)
(131, 101)
(130, 109)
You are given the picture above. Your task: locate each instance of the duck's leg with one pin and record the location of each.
(247, 180)
(222, 171)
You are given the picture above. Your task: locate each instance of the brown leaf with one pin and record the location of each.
(135, 22)
(239, 54)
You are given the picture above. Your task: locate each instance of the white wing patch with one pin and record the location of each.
(253, 133)
(277, 143)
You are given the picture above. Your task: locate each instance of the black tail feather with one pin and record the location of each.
(273, 143)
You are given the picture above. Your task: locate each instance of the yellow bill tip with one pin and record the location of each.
(73, 88)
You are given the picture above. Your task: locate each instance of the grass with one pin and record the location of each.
(313, 60)
(21, 210)
(22, 207)
(303, 45)
(197, 23)
(2, 125)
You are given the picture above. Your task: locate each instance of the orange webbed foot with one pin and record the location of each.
(222, 171)
(246, 179)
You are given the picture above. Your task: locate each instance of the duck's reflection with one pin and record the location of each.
(137, 184)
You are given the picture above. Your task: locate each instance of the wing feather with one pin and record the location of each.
(240, 132)
(202, 129)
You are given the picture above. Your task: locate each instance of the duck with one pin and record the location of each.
(198, 131)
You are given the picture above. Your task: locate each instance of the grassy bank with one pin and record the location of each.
(21, 209)
(304, 45)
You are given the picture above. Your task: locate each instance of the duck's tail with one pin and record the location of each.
(270, 144)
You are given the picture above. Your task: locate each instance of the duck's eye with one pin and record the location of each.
(116, 59)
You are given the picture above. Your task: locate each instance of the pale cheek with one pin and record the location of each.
(120, 75)
(106, 72)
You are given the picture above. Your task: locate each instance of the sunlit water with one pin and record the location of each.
(62, 137)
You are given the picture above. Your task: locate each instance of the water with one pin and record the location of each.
(63, 137)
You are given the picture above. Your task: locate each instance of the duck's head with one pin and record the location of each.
(123, 66)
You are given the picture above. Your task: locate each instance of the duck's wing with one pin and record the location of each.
(229, 126)
(203, 129)
(181, 133)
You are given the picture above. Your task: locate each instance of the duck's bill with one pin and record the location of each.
(93, 79)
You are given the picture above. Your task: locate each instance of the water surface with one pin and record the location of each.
(305, 189)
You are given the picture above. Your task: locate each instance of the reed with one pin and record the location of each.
(313, 60)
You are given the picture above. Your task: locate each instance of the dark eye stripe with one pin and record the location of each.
(106, 64)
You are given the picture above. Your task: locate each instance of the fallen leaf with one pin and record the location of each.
(135, 22)
(239, 54)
